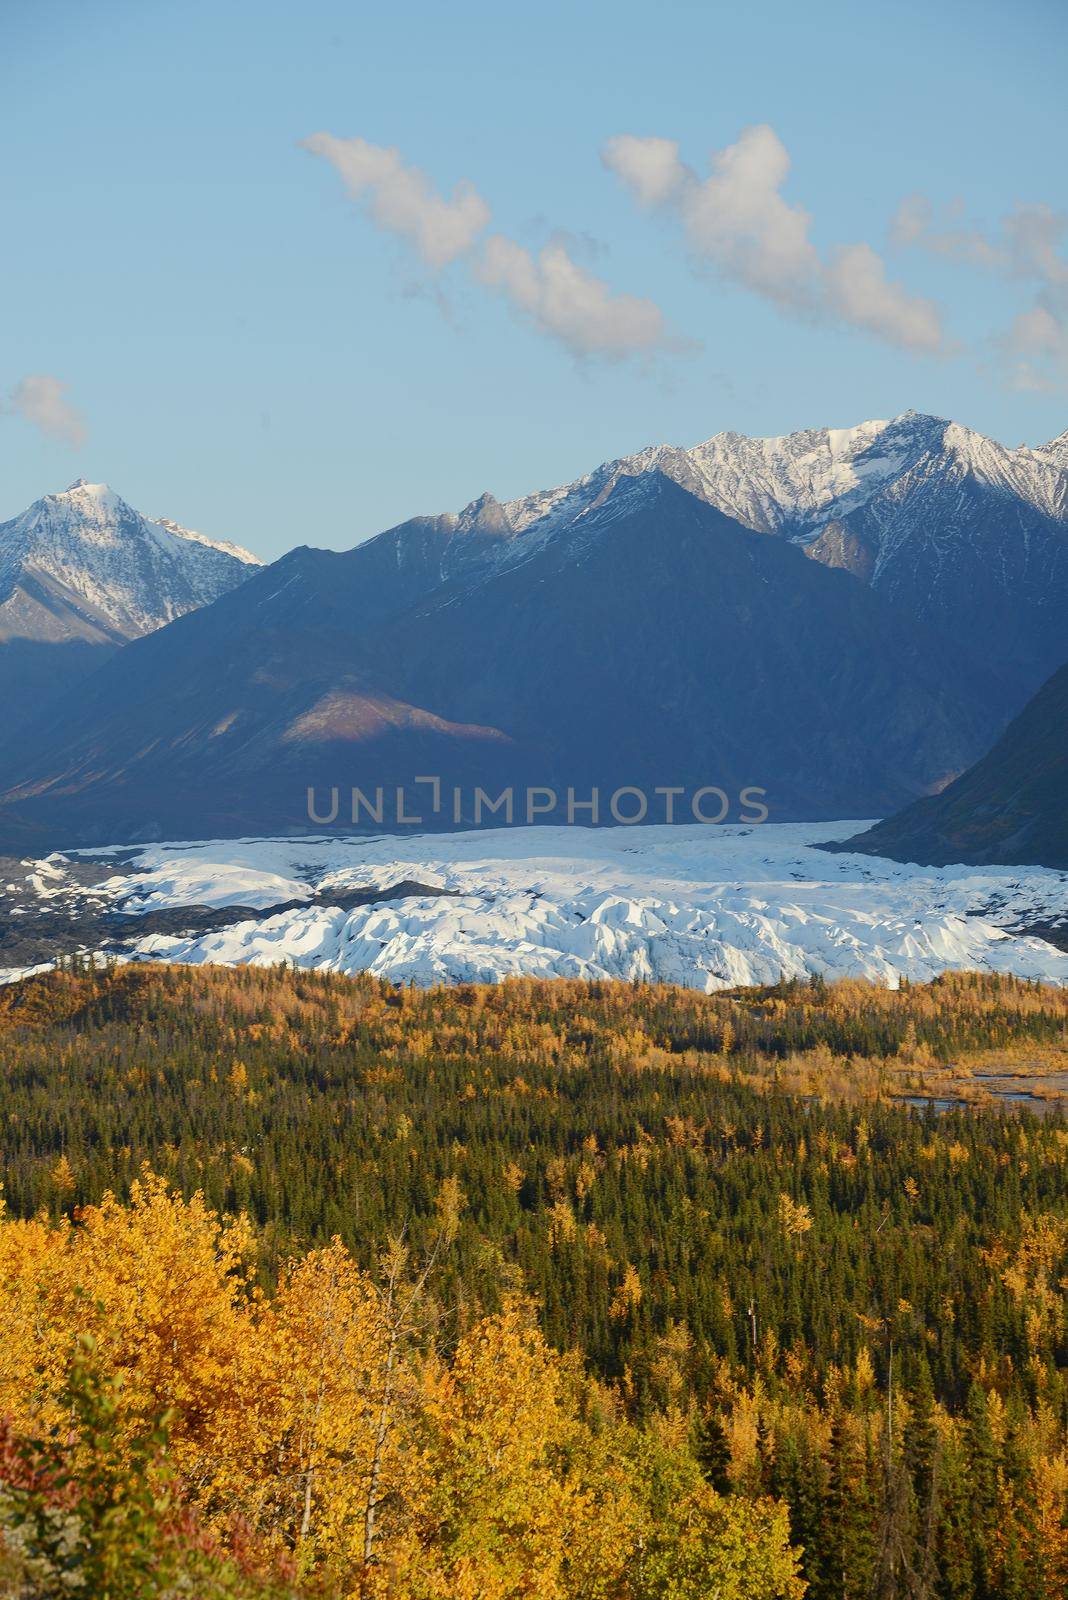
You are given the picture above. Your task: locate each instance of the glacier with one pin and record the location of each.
(705, 907)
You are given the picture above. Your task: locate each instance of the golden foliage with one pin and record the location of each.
(317, 1418)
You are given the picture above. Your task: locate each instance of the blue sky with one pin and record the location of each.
(199, 312)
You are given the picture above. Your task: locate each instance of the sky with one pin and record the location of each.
(291, 273)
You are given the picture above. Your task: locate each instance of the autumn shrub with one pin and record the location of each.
(321, 1438)
(94, 1510)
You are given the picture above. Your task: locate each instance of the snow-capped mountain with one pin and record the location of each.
(946, 525)
(130, 573)
(791, 485)
(81, 573)
(798, 483)
(950, 525)
(654, 641)
(672, 617)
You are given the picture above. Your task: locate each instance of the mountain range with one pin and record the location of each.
(81, 574)
(844, 618)
(947, 523)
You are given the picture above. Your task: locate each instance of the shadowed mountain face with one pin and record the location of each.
(651, 640)
(938, 519)
(843, 618)
(954, 541)
(80, 574)
(1011, 807)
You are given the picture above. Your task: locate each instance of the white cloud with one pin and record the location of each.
(569, 303)
(558, 295)
(913, 224)
(650, 166)
(1037, 343)
(1025, 247)
(1037, 348)
(1035, 234)
(861, 294)
(737, 220)
(401, 199)
(41, 400)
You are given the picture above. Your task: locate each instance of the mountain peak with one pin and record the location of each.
(795, 484)
(133, 573)
(923, 423)
(82, 489)
(484, 515)
(629, 487)
(652, 619)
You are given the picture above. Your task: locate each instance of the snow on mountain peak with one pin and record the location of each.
(238, 551)
(1057, 448)
(767, 484)
(795, 484)
(83, 494)
(133, 571)
(1039, 477)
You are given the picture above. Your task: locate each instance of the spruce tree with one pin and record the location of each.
(982, 1459)
(712, 1452)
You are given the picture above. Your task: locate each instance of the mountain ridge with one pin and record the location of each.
(795, 478)
(658, 642)
(896, 594)
(940, 519)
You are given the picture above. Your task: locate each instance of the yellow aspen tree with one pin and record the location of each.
(326, 1347)
(495, 1507)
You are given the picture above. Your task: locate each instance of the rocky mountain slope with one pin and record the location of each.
(1058, 448)
(1012, 806)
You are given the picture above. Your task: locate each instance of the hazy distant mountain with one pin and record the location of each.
(81, 572)
(1011, 807)
(651, 640)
